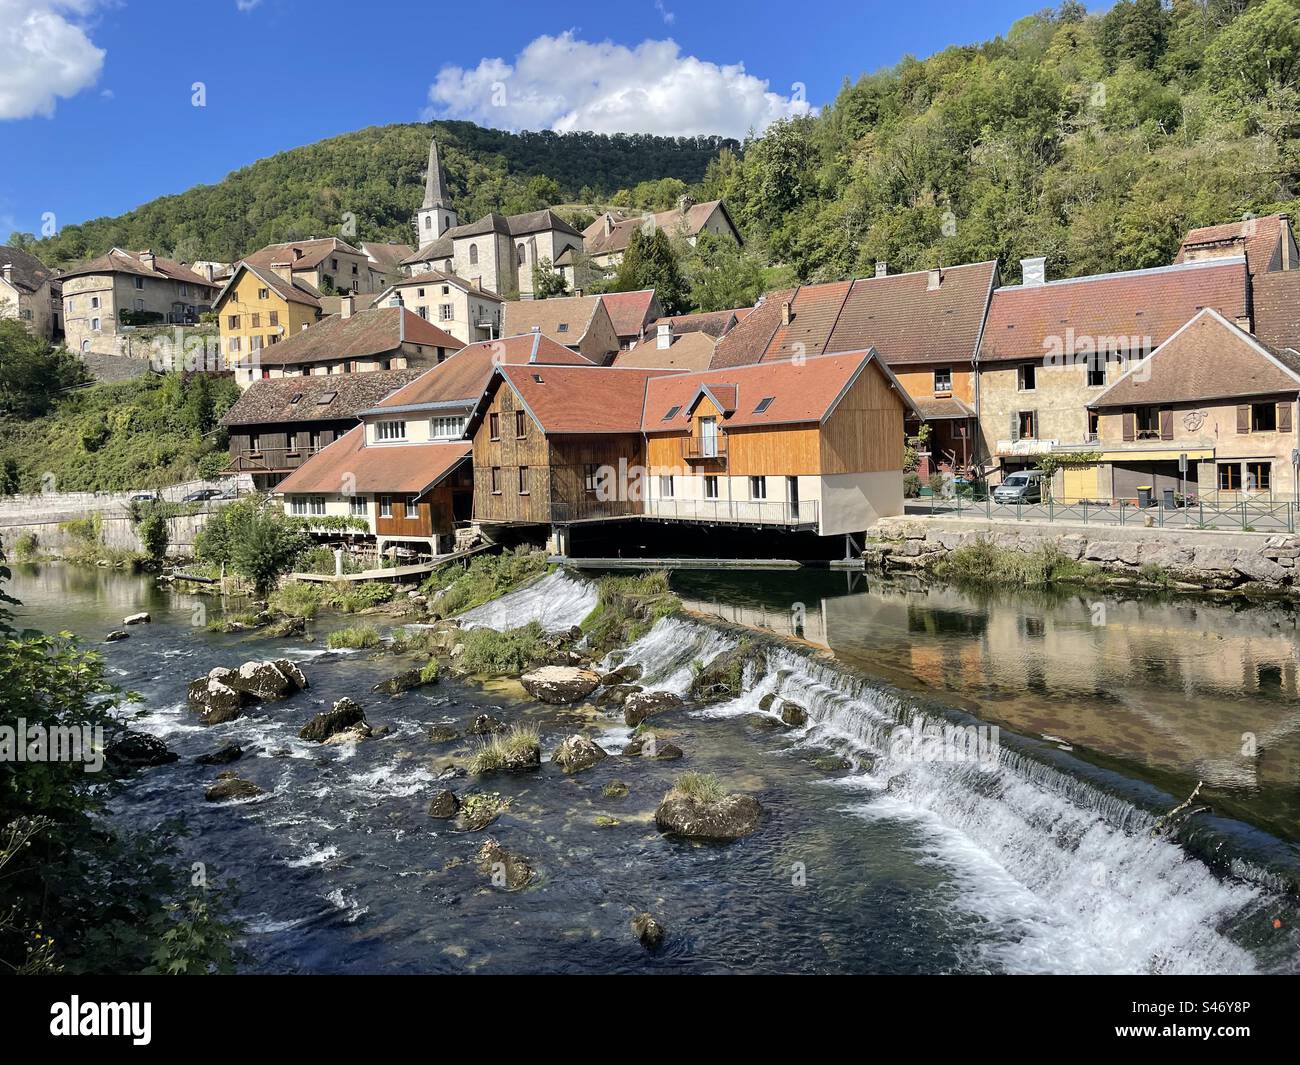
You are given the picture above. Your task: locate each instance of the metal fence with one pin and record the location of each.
(1245, 515)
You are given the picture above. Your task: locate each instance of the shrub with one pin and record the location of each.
(355, 637)
(911, 485)
(82, 529)
(983, 562)
(938, 484)
(298, 599)
(152, 530)
(626, 608)
(429, 673)
(351, 598)
(26, 547)
(255, 539)
(497, 654)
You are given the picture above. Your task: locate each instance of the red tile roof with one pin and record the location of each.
(629, 311)
(1277, 308)
(371, 332)
(1114, 311)
(674, 222)
(1260, 239)
(313, 253)
(117, 261)
(715, 323)
(582, 399)
(405, 468)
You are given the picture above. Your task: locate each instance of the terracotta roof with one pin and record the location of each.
(298, 291)
(1115, 311)
(715, 323)
(324, 397)
(1260, 239)
(674, 222)
(117, 261)
(462, 378)
(582, 399)
(376, 331)
(361, 301)
(629, 311)
(1277, 308)
(440, 277)
(396, 468)
(563, 318)
(900, 315)
(314, 252)
(800, 390)
(28, 272)
(1209, 358)
(691, 351)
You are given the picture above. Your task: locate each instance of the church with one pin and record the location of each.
(499, 253)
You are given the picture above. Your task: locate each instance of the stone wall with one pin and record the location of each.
(116, 534)
(1193, 560)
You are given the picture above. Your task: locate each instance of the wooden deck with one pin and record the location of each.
(392, 573)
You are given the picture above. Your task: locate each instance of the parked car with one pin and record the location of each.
(202, 495)
(144, 497)
(1023, 486)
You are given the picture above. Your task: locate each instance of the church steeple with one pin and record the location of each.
(435, 216)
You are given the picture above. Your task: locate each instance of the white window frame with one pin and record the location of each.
(391, 429)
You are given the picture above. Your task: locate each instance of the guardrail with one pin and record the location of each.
(734, 511)
(1244, 515)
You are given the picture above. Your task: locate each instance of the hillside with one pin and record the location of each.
(377, 175)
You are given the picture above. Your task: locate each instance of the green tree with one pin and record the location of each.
(651, 262)
(1258, 49)
(723, 275)
(548, 282)
(32, 372)
(254, 539)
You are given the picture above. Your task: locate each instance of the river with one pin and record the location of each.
(1039, 859)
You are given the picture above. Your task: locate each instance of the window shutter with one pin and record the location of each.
(1130, 425)
(1034, 426)
(1243, 418)
(1166, 425)
(1284, 417)
(1015, 426)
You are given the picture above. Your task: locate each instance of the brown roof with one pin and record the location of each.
(939, 409)
(629, 311)
(314, 252)
(405, 468)
(563, 318)
(516, 225)
(297, 291)
(361, 301)
(323, 397)
(462, 378)
(582, 399)
(1260, 239)
(439, 277)
(117, 261)
(715, 323)
(1209, 358)
(800, 390)
(1118, 312)
(674, 222)
(388, 255)
(1277, 308)
(376, 331)
(900, 315)
(690, 351)
(28, 273)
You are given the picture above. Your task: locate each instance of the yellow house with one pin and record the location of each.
(259, 307)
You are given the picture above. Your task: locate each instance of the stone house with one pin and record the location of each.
(30, 292)
(462, 308)
(260, 306)
(326, 265)
(580, 323)
(606, 239)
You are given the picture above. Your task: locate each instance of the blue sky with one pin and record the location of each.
(96, 113)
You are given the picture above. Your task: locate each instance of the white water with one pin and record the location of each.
(557, 601)
(1069, 878)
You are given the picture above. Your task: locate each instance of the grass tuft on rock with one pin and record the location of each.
(453, 589)
(499, 654)
(506, 750)
(627, 606)
(984, 562)
(700, 787)
(355, 637)
(298, 599)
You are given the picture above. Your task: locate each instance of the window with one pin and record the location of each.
(1263, 417)
(1229, 477)
(1259, 476)
(232, 321)
(255, 343)
(1096, 369)
(298, 506)
(326, 398)
(1027, 424)
(428, 221)
(94, 303)
(359, 507)
(590, 477)
(672, 413)
(1149, 422)
(316, 506)
(519, 255)
(334, 264)
(94, 324)
(275, 317)
(422, 311)
(232, 344)
(473, 255)
(943, 380)
(185, 290)
(390, 430)
(295, 398)
(1028, 377)
(446, 312)
(419, 293)
(521, 425)
(523, 480)
(263, 293)
(446, 290)
(666, 486)
(711, 487)
(354, 268)
(1094, 424)
(257, 320)
(562, 327)
(255, 444)
(758, 488)
(494, 426)
(412, 508)
(496, 480)
(385, 506)
(448, 428)
(139, 282)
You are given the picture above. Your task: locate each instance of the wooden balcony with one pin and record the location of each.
(271, 460)
(705, 449)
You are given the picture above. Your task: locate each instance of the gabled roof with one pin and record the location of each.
(1259, 239)
(28, 272)
(361, 301)
(514, 225)
(581, 399)
(396, 468)
(563, 318)
(440, 277)
(903, 316)
(330, 397)
(799, 391)
(117, 261)
(461, 379)
(1208, 358)
(1119, 312)
(629, 311)
(1276, 299)
(313, 253)
(376, 331)
(297, 291)
(690, 351)
(715, 323)
(674, 222)
(388, 254)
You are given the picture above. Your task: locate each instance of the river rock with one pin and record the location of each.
(648, 931)
(400, 682)
(577, 753)
(722, 678)
(343, 715)
(506, 870)
(353, 734)
(486, 725)
(444, 805)
(141, 618)
(136, 750)
(793, 714)
(628, 674)
(223, 755)
(616, 694)
(650, 747)
(641, 705)
(267, 682)
(560, 684)
(723, 820)
(443, 734)
(214, 700)
(227, 789)
(117, 634)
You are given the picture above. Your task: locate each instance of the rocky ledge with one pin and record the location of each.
(223, 693)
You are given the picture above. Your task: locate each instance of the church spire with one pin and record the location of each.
(435, 188)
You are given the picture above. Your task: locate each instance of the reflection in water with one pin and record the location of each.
(1180, 689)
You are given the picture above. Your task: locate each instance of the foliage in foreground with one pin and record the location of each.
(984, 562)
(453, 590)
(500, 654)
(255, 540)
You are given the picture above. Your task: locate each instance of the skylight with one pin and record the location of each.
(297, 398)
(563, 327)
(672, 413)
(538, 378)
(326, 399)
(763, 404)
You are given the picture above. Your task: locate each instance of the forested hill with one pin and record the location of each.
(377, 175)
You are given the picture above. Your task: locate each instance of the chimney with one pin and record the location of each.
(786, 314)
(609, 223)
(7, 271)
(284, 270)
(934, 280)
(148, 258)
(535, 329)
(664, 336)
(685, 203)
(1033, 271)
(478, 284)
(882, 268)
(297, 254)
(347, 306)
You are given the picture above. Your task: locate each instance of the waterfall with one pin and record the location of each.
(557, 601)
(1071, 876)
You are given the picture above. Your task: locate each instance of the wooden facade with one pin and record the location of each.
(272, 451)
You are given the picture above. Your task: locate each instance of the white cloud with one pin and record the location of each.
(246, 5)
(563, 83)
(44, 54)
(668, 16)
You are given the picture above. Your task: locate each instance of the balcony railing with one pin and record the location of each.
(271, 459)
(1026, 445)
(735, 511)
(705, 448)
